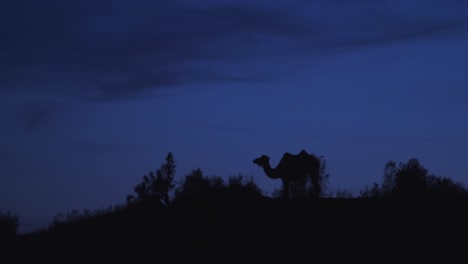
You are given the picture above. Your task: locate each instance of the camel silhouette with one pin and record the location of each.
(293, 170)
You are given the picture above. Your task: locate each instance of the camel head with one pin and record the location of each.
(262, 161)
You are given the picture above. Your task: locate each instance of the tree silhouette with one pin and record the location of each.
(372, 192)
(439, 186)
(156, 184)
(388, 184)
(195, 184)
(412, 179)
(243, 184)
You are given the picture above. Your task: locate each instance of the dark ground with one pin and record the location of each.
(226, 229)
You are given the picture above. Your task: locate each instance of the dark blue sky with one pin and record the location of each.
(94, 94)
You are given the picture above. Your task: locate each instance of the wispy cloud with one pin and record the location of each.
(35, 116)
(102, 51)
(124, 48)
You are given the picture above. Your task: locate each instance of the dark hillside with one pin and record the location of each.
(257, 229)
(411, 214)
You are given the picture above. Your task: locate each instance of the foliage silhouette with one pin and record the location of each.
(372, 192)
(156, 184)
(243, 184)
(74, 216)
(412, 180)
(343, 193)
(195, 184)
(443, 187)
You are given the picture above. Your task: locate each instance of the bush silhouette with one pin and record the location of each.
(443, 187)
(76, 217)
(156, 184)
(195, 184)
(244, 186)
(412, 180)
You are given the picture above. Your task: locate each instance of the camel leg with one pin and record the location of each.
(286, 188)
(316, 186)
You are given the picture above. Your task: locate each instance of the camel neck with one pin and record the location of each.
(270, 172)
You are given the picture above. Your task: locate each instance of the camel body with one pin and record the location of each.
(293, 170)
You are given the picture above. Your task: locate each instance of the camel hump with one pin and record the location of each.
(288, 156)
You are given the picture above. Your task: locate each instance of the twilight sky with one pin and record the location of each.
(94, 94)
